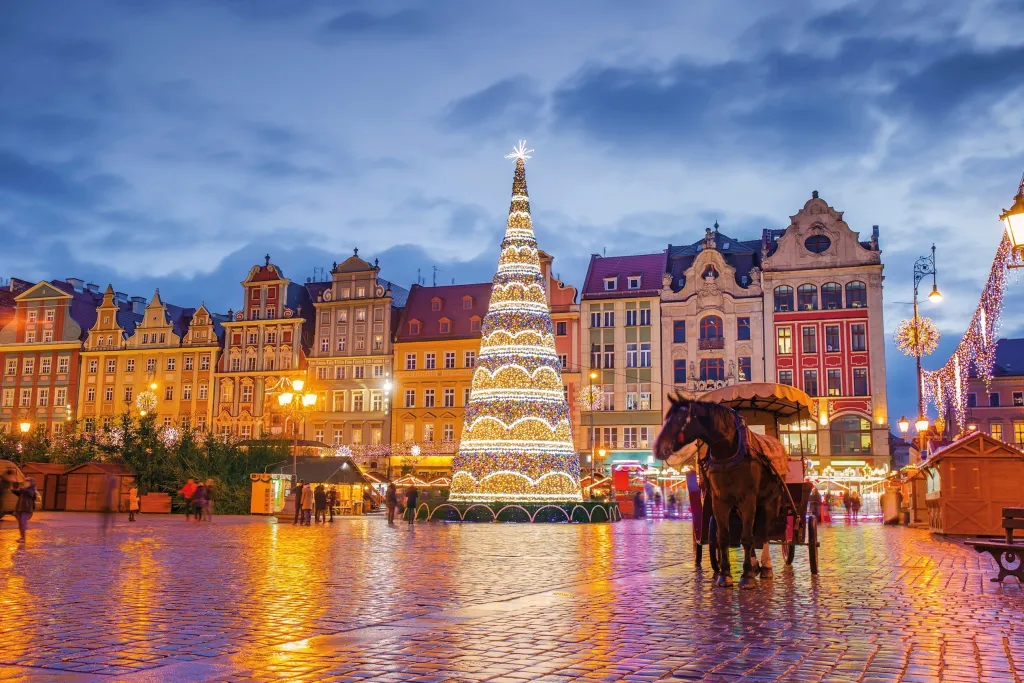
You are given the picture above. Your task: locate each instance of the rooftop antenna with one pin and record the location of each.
(453, 281)
(434, 279)
(419, 278)
(604, 251)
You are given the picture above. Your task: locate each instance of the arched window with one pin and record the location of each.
(712, 369)
(831, 296)
(856, 294)
(807, 298)
(851, 435)
(711, 327)
(783, 298)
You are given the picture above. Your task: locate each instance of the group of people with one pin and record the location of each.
(198, 500)
(404, 505)
(313, 504)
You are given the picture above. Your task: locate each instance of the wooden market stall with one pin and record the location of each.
(51, 484)
(969, 482)
(86, 486)
(340, 473)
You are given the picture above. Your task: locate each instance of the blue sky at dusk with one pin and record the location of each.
(149, 144)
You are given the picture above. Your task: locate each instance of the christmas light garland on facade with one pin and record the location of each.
(975, 354)
(517, 437)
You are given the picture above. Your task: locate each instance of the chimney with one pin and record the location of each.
(77, 283)
(139, 304)
(93, 288)
(120, 297)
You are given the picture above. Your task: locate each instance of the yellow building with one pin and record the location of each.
(435, 351)
(164, 353)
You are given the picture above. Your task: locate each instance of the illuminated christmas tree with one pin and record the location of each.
(517, 437)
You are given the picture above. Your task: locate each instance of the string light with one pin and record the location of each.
(343, 451)
(517, 436)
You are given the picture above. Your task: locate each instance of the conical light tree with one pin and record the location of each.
(517, 438)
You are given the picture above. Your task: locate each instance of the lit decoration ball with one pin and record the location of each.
(917, 337)
(169, 436)
(343, 451)
(415, 450)
(590, 398)
(146, 400)
(517, 436)
(115, 437)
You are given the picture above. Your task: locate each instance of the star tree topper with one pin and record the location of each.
(520, 152)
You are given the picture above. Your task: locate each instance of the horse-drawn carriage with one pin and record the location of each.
(785, 414)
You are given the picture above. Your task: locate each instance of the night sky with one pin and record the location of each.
(147, 143)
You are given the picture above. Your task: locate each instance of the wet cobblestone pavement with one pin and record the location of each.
(243, 599)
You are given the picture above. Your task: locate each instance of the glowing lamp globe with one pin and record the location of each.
(921, 425)
(308, 399)
(285, 398)
(935, 297)
(24, 427)
(1013, 219)
(297, 384)
(904, 425)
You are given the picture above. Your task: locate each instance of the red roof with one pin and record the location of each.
(650, 268)
(420, 307)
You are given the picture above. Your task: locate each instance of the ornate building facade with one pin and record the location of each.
(265, 343)
(621, 333)
(823, 318)
(565, 315)
(712, 315)
(998, 409)
(40, 349)
(352, 357)
(158, 358)
(436, 347)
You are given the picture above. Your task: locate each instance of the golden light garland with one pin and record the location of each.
(146, 401)
(917, 338)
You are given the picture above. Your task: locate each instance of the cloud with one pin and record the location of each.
(513, 103)
(26, 179)
(359, 24)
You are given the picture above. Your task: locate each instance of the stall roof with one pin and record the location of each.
(326, 470)
(780, 399)
(114, 468)
(44, 468)
(975, 444)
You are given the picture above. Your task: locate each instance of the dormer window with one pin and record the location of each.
(467, 302)
(435, 304)
(360, 292)
(474, 324)
(445, 326)
(610, 283)
(414, 327)
(633, 282)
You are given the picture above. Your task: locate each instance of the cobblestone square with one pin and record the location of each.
(246, 599)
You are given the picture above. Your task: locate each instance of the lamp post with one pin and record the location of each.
(387, 409)
(592, 404)
(1013, 219)
(904, 425)
(921, 425)
(923, 267)
(296, 405)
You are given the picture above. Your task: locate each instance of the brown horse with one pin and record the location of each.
(738, 473)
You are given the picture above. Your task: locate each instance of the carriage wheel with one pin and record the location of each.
(698, 552)
(789, 544)
(713, 549)
(812, 543)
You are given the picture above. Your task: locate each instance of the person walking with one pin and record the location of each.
(391, 502)
(187, 491)
(320, 504)
(210, 490)
(307, 504)
(25, 505)
(133, 502)
(814, 502)
(199, 501)
(297, 497)
(332, 502)
(412, 494)
(855, 505)
(848, 504)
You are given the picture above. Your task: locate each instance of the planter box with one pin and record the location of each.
(155, 503)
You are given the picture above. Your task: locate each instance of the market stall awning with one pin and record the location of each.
(326, 470)
(780, 399)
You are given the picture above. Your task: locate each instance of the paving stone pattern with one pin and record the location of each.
(245, 599)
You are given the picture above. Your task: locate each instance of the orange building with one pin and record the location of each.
(565, 315)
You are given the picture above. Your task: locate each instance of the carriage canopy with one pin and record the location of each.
(781, 400)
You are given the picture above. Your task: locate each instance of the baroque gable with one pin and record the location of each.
(818, 237)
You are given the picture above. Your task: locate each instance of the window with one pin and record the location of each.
(609, 283)
(44, 366)
(341, 343)
(678, 331)
(90, 424)
(679, 371)
(834, 380)
(342, 316)
(993, 399)
(449, 360)
(108, 394)
(435, 305)
(359, 372)
(129, 365)
(811, 382)
(563, 360)
(860, 381)
(414, 327)
(645, 316)
(376, 401)
(203, 391)
(340, 372)
(410, 361)
(48, 315)
(338, 402)
(996, 431)
(744, 368)
(188, 362)
(783, 298)
(357, 401)
(62, 365)
(807, 298)
(445, 326)
(595, 318)
(145, 338)
(378, 342)
(44, 396)
(809, 340)
(1018, 398)
(60, 396)
(851, 435)
(48, 337)
(467, 302)
(474, 324)
(856, 295)
(470, 359)
(325, 318)
(12, 367)
(253, 337)
(428, 398)
(90, 395)
(609, 355)
(631, 355)
(712, 369)
(632, 397)
(321, 372)
(465, 396)
(629, 437)
(831, 296)
(28, 366)
(8, 398)
(800, 438)
(246, 393)
(93, 365)
(817, 243)
(645, 354)
(1018, 432)
(608, 399)
(236, 364)
(171, 362)
(325, 344)
(186, 392)
(408, 431)
(784, 340)
(151, 365)
(428, 432)
(630, 317)
(360, 342)
(832, 339)
(30, 336)
(33, 316)
(429, 360)
(786, 377)
(448, 432)
(561, 328)
(743, 328)
(595, 355)
(169, 393)
(410, 398)
(449, 398)
(633, 282)
(270, 337)
(128, 392)
(858, 337)
(609, 318)
(360, 291)
(711, 328)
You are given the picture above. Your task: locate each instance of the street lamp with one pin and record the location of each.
(592, 403)
(923, 267)
(24, 427)
(601, 452)
(296, 404)
(1013, 219)
(904, 425)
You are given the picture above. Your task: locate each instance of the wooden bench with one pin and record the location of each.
(1009, 556)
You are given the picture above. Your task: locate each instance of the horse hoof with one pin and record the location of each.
(767, 573)
(746, 583)
(724, 581)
